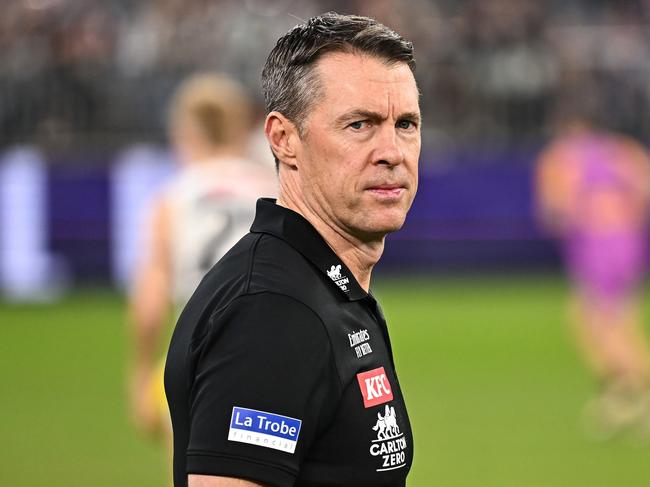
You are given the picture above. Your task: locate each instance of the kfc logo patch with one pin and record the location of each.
(375, 388)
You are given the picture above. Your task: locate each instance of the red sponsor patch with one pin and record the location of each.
(375, 388)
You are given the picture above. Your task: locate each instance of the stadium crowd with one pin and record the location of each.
(91, 73)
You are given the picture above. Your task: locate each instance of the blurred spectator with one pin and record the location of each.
(71, 70)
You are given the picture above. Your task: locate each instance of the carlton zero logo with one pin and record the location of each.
(264, 429)
(375, 388)
(390, 445)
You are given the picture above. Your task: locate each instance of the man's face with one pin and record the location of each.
(359, 155)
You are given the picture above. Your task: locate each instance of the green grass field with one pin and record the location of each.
(493, 386)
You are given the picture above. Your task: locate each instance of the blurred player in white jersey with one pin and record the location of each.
(199, 215)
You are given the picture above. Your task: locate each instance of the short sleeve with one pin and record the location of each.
(265, 385)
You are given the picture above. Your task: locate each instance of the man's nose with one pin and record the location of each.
(388, 150)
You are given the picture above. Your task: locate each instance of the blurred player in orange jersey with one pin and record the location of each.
(593, 190)
(199, 215)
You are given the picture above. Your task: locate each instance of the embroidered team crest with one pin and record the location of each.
(375, 387)
(334, 273)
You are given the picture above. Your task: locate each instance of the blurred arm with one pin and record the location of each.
(149, 307)
(641, 172)
(211, 481)
(552, 192)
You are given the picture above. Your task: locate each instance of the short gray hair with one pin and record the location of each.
(290, 83)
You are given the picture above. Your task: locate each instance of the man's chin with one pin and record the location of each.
(379, 229)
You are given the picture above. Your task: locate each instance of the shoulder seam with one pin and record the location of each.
(208, 312)
(251, 263)
(293, 298)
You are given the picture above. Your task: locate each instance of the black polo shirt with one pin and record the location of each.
(280, 368)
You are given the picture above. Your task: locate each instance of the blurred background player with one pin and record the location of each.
(198, 216)
(593, 189)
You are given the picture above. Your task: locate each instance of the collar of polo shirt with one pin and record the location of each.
(294, 229)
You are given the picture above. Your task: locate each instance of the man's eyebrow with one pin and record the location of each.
(370, 115)
(360, 113)
(414, 116)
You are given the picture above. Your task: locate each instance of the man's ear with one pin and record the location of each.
(283, 138)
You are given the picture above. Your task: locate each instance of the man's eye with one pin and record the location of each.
(405, 124)
(357, 125)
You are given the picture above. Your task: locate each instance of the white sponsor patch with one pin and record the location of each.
(264, 429)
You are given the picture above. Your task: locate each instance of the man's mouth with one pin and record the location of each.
(387, 190)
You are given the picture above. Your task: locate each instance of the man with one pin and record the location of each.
(593, 189)
(280, 370)
(212, 199)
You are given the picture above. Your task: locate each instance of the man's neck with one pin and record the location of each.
(358, 255)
